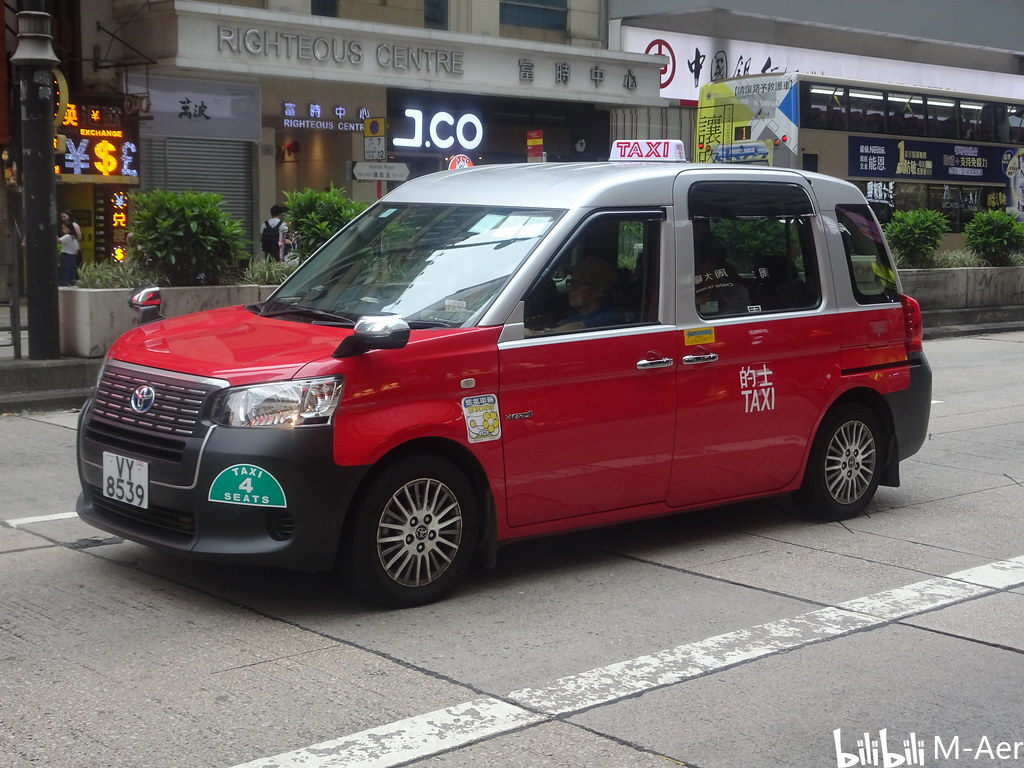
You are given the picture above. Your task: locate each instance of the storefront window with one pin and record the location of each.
(540, 14)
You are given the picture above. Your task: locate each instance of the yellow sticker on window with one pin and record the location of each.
(694, 336)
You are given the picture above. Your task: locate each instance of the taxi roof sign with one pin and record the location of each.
(664, 150)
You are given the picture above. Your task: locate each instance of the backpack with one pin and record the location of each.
(270, 238)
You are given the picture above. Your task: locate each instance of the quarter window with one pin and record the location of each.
(871, 271)
(753, 249)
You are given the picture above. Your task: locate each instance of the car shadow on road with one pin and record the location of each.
(520, 565)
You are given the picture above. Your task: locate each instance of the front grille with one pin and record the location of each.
(176, 410)
(138, 442)
(182, 522)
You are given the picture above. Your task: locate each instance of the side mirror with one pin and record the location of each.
(374, 332)
(146, 304)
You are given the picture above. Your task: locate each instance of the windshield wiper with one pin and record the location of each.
(432, 324)
(318, 316)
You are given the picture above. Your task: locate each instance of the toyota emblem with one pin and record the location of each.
(143, 398)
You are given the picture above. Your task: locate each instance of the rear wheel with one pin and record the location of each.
(843, 469)
(412, 533)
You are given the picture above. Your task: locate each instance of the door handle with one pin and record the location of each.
(698, 359)
(646, 365)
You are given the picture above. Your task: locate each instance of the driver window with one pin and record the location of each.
(606, 277)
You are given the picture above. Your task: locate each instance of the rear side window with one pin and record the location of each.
(871, 271)
(753, 248)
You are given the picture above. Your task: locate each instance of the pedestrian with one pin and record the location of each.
(67, 217)
(274, 234)
(70, 250)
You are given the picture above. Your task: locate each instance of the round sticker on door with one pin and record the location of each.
(247, 484)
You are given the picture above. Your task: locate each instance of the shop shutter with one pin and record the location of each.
(224, 167)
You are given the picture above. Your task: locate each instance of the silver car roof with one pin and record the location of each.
(572, 185)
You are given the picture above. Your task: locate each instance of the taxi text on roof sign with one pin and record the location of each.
(671, 150)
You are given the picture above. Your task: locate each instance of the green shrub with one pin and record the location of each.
(956, 259)
(915, 235)
(995, 236)
(263, 271)
(116, 274)
(315, 215)
(187, 238)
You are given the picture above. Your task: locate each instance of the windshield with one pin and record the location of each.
(434, 265)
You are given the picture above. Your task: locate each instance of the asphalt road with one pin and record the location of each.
(734, 637)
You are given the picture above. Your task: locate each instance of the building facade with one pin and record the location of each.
(253, 98)
(920, 103)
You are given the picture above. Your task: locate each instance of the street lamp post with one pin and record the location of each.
(34, 59)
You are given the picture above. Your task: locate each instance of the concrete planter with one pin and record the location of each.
(92, 318)
(967, 296)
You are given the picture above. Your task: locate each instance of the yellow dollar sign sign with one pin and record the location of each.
(107, 162)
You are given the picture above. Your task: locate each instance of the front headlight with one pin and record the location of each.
(300, 403)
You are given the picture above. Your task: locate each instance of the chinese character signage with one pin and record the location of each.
(204, 109)
(693, 61)
(114, 210)
(100, 144)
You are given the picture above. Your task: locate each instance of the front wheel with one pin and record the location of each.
(412, 533)
(843, 469)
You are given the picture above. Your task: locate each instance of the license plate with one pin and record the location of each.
(126, 480)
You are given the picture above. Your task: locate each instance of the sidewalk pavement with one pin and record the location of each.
(40, 385)
(65, 383)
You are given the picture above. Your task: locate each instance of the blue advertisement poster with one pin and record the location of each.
(937, 162)
(930, 161)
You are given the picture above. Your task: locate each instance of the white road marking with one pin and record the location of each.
(20, 521)
(409, 739)
(436, 732)
(1001, 574)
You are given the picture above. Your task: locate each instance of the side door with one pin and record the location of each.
(588, 393)
(760, 338)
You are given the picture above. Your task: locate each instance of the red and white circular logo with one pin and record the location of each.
(460, 161)
(662, 48)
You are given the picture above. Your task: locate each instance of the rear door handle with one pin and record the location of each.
(698, 359)
(646, 365)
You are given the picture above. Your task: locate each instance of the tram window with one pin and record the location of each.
(1015, 123)
(976, 121)
(824, 107)
(905, 114)
(942, 117)
(867, 111)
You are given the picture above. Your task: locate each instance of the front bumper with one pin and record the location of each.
(199, 505)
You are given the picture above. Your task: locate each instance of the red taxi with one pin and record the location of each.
(502, 352)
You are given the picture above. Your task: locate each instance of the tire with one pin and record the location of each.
(844, 465)
(412, 534)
